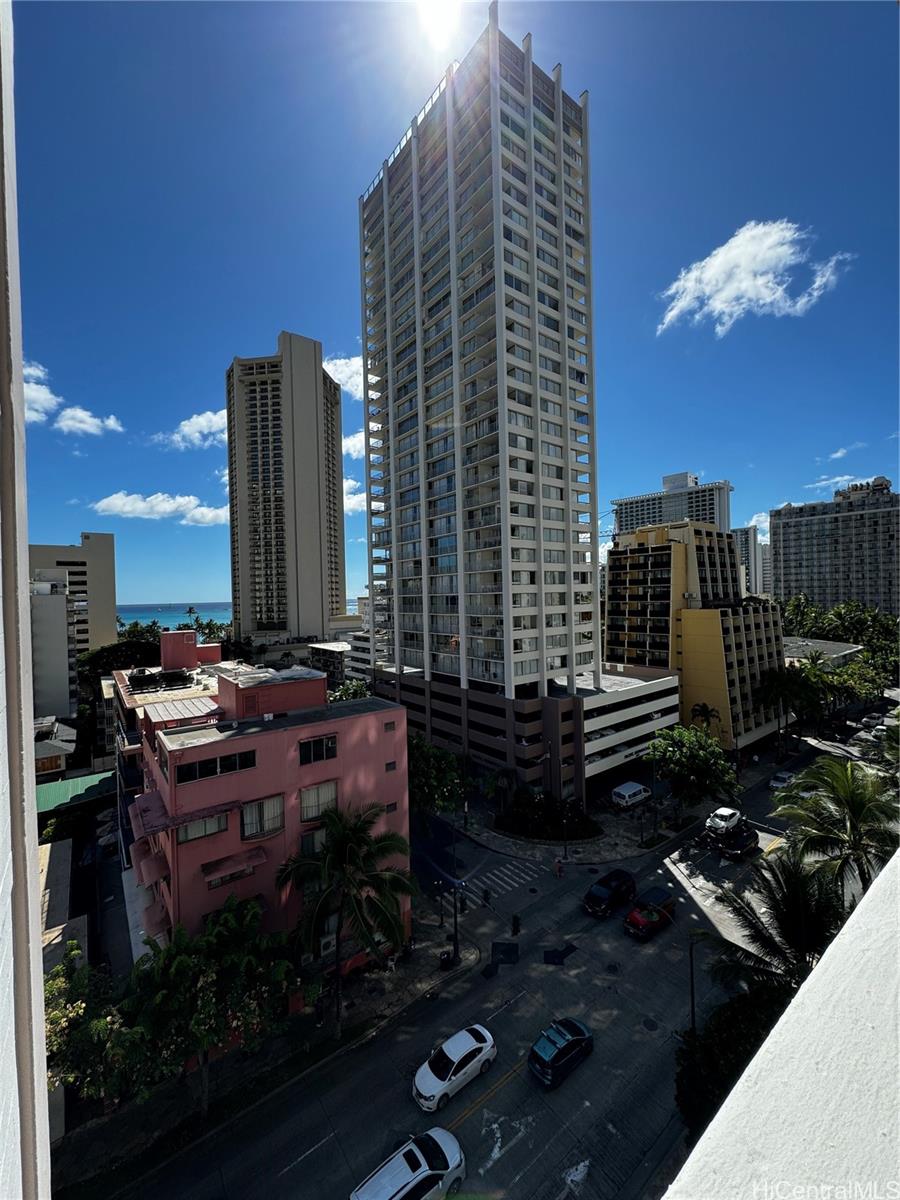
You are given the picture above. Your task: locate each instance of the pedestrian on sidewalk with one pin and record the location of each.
(559, 868)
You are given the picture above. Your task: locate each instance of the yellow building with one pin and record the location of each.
(673, 600)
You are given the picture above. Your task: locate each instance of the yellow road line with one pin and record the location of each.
(773, 845)
(501, 1082)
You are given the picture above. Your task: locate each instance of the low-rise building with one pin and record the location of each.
(331, 658)
(54, 742)
(359, 659)
(224, 770)
(831, 654)
(231, 791)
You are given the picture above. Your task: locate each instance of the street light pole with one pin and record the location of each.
(441, 903)
(455, 926)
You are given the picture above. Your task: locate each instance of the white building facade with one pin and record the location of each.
(91, 571)
(750, 557)
(476, 281)
(683, 498)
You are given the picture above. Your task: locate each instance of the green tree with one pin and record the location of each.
(843, 819)
(694, 764)
(196, 994)
(350, 689)
(710, 1062)
(785, 921)
(353, 886)
(435, 782)
(705, 714)
(140, 631)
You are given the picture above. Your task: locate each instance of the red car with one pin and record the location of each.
(653, 910)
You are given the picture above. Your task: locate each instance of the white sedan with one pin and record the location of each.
(724, 820)
(452, 1065)
(781, 780)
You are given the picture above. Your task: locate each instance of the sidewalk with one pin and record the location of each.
(621, 836)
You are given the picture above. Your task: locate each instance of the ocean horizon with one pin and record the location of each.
(171, 615)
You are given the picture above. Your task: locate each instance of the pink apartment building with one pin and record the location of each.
(236, 782)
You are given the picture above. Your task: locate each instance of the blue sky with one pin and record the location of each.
(188, 186)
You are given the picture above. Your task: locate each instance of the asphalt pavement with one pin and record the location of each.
(600, 1136)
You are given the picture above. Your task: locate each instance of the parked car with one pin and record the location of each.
(452, 1065)
(863, 738)
(627, 795)
(608, 892)
(738, 842)
(781, 779)
(559, 1049)
(724, 820)
(653, 911)
(434, 1158)
(871, 721)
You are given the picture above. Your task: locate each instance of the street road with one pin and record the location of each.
(595, 1137)
(598, 1137)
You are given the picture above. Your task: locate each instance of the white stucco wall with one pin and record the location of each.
(815, 1114)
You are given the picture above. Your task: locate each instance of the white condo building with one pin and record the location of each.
(54, 614)
(750, 556)
(91, 571)
(286, 494)
(480, 433)
(683, 498)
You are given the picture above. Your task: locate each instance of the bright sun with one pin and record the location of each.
(438, 19)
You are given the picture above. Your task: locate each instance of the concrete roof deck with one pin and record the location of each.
(801, 647)
(202, 735)
(266, 676)
(335, 647)
(609, 682)
(204, 680)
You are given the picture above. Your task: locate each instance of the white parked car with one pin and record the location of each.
(723, 820)
(428, 1166)
(871, 721)
(452, 1065)
(781, 780)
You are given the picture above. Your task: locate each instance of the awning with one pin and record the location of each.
(154, 868)
(148, 814)
(220, 867)
(155, 918)
(140, 850)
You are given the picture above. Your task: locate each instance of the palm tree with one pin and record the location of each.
(353, 880)
(847, 826)
(705, 714)
(786, 922)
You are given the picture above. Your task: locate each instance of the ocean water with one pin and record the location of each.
(172, 615)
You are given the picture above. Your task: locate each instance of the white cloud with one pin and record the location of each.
(354, 496)
(750, 273)
(222, 476)
(160, 506)
(198, 432)
(842, 451)
(74, 500)
(40, 401)
(829, 482)
(363, 540)
(891, 436)
(204, 515)
(354, 446)
(79, 421)
(761, 521)
(603, 551)
(348, 372)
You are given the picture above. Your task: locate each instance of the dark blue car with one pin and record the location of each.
(559, 1049)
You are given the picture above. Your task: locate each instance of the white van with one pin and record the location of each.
(428, 1167)
(627, 795)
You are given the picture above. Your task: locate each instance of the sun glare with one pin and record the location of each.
(439, 20)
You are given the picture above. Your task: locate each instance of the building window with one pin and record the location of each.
(315, 800)
(202, 828)
(390, 726)
(390, 766)
(311, 843)
(223, 879)
(262, 817)
(207, 768)
(314, 750)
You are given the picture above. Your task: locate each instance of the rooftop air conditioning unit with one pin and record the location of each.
(268, 716)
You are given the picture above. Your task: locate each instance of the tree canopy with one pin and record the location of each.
(435, 780)
(694, 764)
